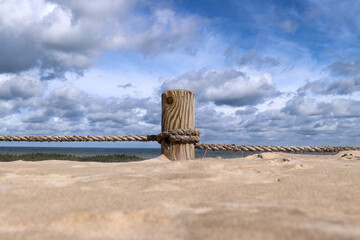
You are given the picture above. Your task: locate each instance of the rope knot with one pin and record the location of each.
(179, 136)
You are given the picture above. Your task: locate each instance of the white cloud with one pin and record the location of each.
(89, 114)
(225, 87)
(97, 9)
(19, 87)
(5, 109)
(62, 36)
(343, 86)
(305, 106)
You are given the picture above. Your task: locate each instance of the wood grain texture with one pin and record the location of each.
(178, 112)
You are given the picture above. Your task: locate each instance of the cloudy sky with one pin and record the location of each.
(263, 72)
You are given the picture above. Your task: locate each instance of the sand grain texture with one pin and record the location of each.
(263, 196)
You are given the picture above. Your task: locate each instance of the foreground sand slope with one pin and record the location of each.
(266, 196)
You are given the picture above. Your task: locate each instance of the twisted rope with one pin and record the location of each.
(178, 135)
(257, 148)
(90, 138)
(190, 136)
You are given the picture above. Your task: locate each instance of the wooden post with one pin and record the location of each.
(178, 112)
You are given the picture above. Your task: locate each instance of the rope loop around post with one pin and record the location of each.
(180, 136)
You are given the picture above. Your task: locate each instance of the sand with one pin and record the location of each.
(263, 196)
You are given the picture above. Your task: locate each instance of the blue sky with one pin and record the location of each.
(263, 72)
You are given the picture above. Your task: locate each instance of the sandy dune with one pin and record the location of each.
(263, 196)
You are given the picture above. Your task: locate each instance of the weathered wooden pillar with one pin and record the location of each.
(178, 112)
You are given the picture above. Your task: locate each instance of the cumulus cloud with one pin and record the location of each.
(305, 106)
(97, 9)
(68, 110)
(18, 93)
(22, 87)
(60, 36)
(346, 84)
(303, 121)
(247, 111)
(343, 86)
(5, 109)
(291, 125)
(69, 106)
(283, 128)
(225, 87)
(346, 68)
